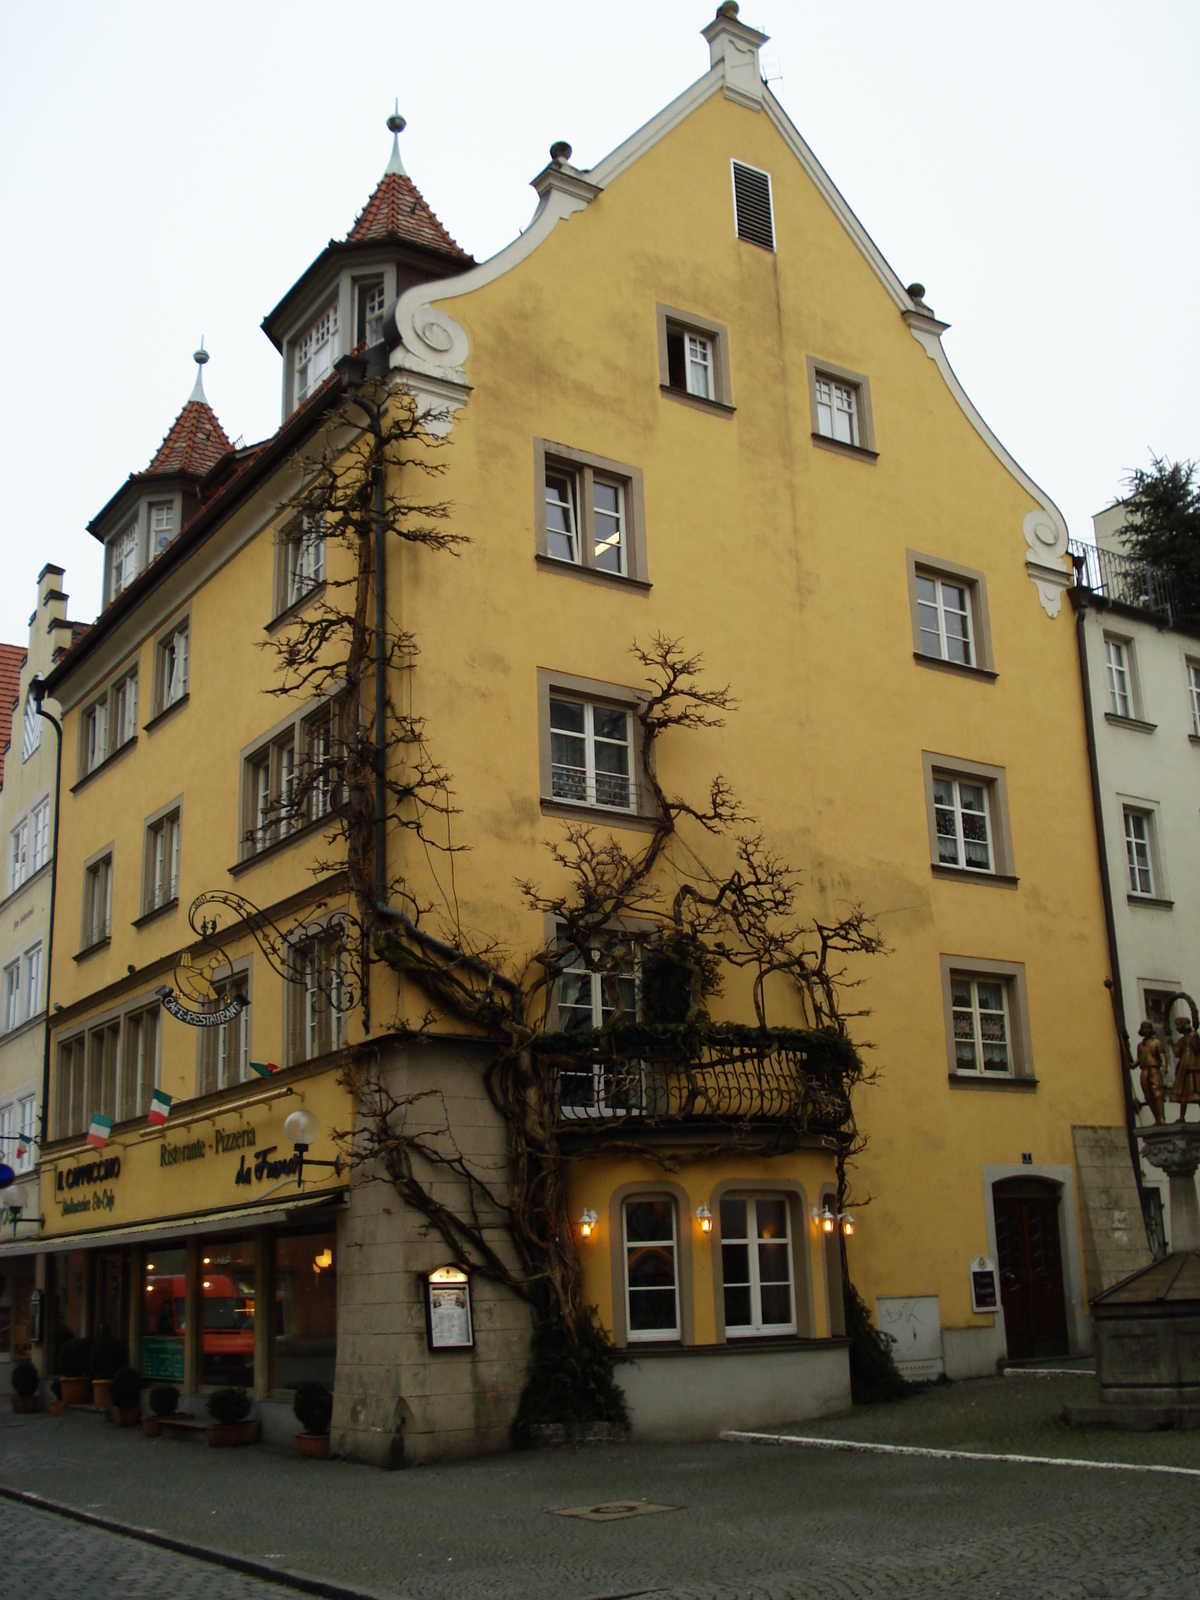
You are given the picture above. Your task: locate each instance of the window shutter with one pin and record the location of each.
(752, 203)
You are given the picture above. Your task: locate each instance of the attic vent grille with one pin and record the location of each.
(752, 205)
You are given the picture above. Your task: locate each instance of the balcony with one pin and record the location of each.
(1127, 581)
(623, 1083)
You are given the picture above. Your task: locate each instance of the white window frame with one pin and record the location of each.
(1139, 851)
(306, 1004)
(699, 364)
(981, 1070)
(12, 996)
(836, 397)
(162, 526)
(371, 303)
(18, 855)
(123, 710)
(570, 534)
(31, 983)
(955, 810)
(137, 1079)
(97, 875)
(316, 351)
(589, 798)
(40, 843)
(1193, 681)
(95, 736)
(940, 609)
(302, 561)
(606, 1097)
(649, 1335)
(1118, 662)
(163, 844)
(26, 1131)
(174, 665)
(756, 1329)
(125, 564)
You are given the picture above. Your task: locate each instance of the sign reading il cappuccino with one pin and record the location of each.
(87, 1175)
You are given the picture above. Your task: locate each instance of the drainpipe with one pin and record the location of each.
(1079, 601)
(37, 693)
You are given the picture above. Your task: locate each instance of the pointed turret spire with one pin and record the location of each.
(197, 395)
(397, 125)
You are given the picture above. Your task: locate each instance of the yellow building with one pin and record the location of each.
(690, 401)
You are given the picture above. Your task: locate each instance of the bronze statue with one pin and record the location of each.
(1152, 1061)
(1186, 1088)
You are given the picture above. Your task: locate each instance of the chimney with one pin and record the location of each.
(734, 47)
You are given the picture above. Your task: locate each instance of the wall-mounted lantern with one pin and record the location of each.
(704, 1218)
(824, 1219)
(847, 1222)
(587, 1222)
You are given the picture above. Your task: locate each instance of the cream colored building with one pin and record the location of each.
(27, 831)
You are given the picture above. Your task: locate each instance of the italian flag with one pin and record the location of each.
(22, 1150)
(264, 1068)
(160, 1108)
(98, 1130)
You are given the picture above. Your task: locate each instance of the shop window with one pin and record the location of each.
(651, 1269)
(69, 1298)
(164, 1316)
(304, 1330)
(756, 1261)
(227, 1295)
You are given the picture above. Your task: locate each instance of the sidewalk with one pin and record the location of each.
(749, 1521)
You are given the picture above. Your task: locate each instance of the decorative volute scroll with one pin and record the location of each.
(1046, 538)
(429, 351)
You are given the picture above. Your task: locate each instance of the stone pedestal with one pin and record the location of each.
(1174, 1148)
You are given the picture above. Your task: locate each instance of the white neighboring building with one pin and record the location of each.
(1143, 678)
(27, 803)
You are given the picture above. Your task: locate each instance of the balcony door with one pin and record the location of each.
(1029, 1255)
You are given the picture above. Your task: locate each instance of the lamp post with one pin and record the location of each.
(37, 693)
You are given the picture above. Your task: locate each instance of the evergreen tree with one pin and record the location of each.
(1163, 525)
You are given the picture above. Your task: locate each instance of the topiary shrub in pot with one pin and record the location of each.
(125, 1392)
(75, 1367)
(26, 1382)
(164, 1397)
(108, 1356)
(313, 1405)
(230, 1411)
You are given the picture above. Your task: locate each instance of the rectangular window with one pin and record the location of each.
(304, 1323)
(227, 1274)
(371, 306)
(316, 996)
(124, 560)
(12, 997)
(1193, 673)
(97, 902)
(690, 363)
(300, 562)
(589, 512)
(163, 839)
(316, 353)
(753, 213)
(981, 1025)
(162, 526)
(123, 710)
(963, 829)
(18, 855)
(102, 1071)
(651, 1276)
(173, 675)
(756, 1262)
(41, 835)
(72, 1075)
(1120, 688)
(225, 1051)
(693, 356)
(562, 521)
(141, 1052)
(95, 736)
(590, 990)
(8, 1145)
(608, 505)
(32, 1003)
(322, 771)
(590, 754)
(944, 612)
(1137, 852)
(837, 410)
(26, 1113)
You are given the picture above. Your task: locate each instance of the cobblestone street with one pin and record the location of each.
(762, 1521)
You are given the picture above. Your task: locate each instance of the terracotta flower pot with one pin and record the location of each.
(150, 1427)
(100, 1394)
(76, 1391)
(227, 1433)
(124, 1416)
(55, 1407)
(313, 1445)
(26, 1403)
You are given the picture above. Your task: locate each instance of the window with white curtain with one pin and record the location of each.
(837, 410)
(41, 835)
(316, 352)
(173, 652)
(591, 750)
(18, 855)
(124, 561)
(162, 861)
(964, 833)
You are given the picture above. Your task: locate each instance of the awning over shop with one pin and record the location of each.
(301, 1208)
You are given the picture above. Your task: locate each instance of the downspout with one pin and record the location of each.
(1079, 601)
(37, 690)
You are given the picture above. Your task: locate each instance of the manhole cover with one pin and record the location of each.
(613, 1510)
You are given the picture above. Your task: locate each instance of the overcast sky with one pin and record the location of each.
(170, 170)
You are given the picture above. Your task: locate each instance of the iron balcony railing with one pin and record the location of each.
(1128, 581)
(645, 1076)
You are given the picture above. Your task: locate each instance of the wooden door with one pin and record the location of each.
(1029, 1256)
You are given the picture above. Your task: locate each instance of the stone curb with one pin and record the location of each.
(809, 1442)
(283, 1576)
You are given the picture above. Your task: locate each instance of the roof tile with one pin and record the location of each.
(12, 658)
(195, 443)
(398, 210)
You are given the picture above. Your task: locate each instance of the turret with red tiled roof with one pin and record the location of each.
(196, 440)
(398, 210)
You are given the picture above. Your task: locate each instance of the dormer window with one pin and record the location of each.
(316, 352)
(369, 328)
(162, 526)
(124, 560)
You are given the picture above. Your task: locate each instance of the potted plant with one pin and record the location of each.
(231, 1424)
(108, 1357)
(55, 1397)
(313, 1405)
(26, 1381)
(75, 1367)
(164, 1398)
(125, 1391)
